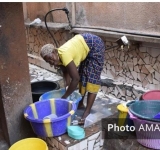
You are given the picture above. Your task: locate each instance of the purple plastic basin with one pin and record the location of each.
(36, 112)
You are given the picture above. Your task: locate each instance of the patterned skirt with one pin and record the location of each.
(90, 69)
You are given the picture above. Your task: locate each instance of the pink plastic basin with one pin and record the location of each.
(151, 95)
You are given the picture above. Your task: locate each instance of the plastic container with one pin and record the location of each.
(122, 117)
(76, 132)
(40, 87)
(29, 144)
(75, 96)
(149, 138)
(36, 112)
(146, 109)
(90, 119)
(157, 116)
(151, 95)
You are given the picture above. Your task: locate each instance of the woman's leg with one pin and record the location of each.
(81, 103)
(90, 100)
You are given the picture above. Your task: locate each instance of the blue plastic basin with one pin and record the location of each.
(75, 96)
(36, 112)
(146, 109)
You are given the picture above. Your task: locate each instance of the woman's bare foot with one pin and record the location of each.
(82, 120)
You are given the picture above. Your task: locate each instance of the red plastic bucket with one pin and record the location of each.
(151, 95)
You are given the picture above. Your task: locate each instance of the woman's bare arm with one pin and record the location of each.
(73, 73)
(66, 76)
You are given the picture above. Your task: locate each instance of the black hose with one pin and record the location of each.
(66, 11)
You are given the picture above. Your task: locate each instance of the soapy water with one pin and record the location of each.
(51, 116)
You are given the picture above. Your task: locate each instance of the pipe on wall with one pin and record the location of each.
(73, 14)
(118, 31)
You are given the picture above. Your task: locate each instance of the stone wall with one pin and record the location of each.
(37, 37)
(132, 71)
